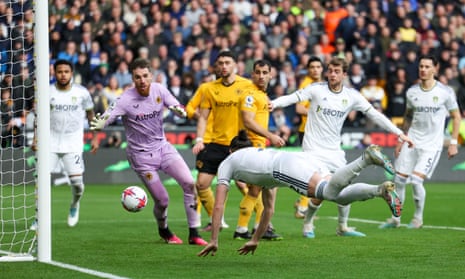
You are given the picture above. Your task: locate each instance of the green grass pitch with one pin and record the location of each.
(126, 245)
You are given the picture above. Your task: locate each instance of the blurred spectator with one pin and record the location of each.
(82, 70)
(334, 14)
(101, 75)
(193, 12)
(70, 53)
(357, 76)
(94, 55)
(396, 100)
(122, 74)
(113, 90)
(6, 110)
(23, 93)
(376, 95)
(347, 26)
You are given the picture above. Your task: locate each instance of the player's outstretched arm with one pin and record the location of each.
(218, 210)
(268, 196)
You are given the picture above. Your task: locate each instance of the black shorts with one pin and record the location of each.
(210, 158)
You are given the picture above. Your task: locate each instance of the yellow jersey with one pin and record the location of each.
(194, 104)
(256, 101)
(303, 118)
(223, 103)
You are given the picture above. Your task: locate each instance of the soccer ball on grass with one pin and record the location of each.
(134, 199)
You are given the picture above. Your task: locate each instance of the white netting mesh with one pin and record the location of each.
(17, 192)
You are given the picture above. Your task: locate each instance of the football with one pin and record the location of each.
(134, 199)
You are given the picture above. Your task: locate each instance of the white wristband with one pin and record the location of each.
(199, 139)
(453, 142)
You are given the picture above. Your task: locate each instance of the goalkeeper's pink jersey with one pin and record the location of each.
(142, 116)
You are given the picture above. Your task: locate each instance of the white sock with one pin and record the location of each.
(357, 192)
(419, 196)
(400, 189)
(241, 229)
(308, 220)
(343, 215)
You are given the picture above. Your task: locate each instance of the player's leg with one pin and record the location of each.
(207, 163)
(246, 208)
(404, 165)
(342, 177)
(363, 191)
(426, 164)
(301, 206)
(313, 206)
(175, 166)
(258, 209)
(73, 164)
(146, 164)
(203, 182)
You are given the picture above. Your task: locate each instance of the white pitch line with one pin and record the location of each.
(402, 225)
(87, 271)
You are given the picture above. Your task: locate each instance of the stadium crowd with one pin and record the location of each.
(381, 39)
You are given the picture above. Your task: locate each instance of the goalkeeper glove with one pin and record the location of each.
(98, 122)
(179, 110)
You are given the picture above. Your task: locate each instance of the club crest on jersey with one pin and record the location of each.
(148, 176)
(435, 99)
(74, 99)
(345, 102)
(158, 100)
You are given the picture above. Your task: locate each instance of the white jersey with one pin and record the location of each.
(268, 168)
(67, 114)
(430, 109)
(327, 114)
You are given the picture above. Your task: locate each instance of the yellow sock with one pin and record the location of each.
(207, 200)
(258, 209)
(243, 190)
(199, 206)
(245, 210)
(303, 202)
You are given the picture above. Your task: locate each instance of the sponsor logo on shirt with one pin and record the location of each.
(427, 109)
(141, 117)
(330, 112)
(226, 104)
(64, 107)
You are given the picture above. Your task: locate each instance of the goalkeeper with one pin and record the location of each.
(141, 108)
(271, 168)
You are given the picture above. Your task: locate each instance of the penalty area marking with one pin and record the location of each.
(87, 271)
(402, 225)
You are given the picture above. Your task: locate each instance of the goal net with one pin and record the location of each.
(17, 80)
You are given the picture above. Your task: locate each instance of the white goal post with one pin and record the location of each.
(20, 193)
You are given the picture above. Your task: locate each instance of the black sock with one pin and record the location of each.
(193, 232)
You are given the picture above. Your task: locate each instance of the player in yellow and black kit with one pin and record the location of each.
(255, 117)
(315, 70)
(221, 102)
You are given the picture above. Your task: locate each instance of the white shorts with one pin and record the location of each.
(295, 171)
(417, 160)
(333, 160)
(71, 163)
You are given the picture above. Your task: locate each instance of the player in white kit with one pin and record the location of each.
(270, 168)
(70, 104)
(429, 103)
(331, 104)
